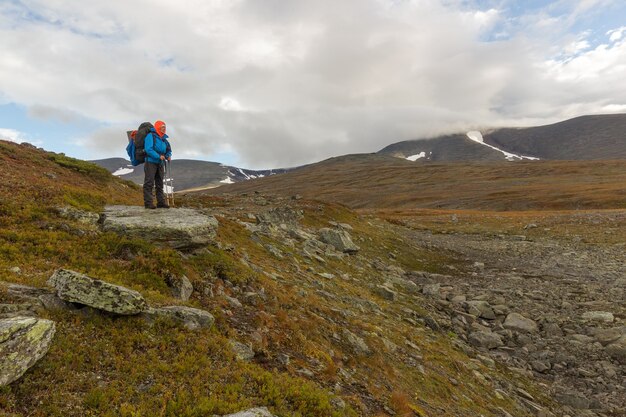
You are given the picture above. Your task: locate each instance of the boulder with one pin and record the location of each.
(603, 316)
(242, 351)
(480, 309)
(340, 239)
(487, 340)
(78, 288)
(617, 350)
(178, 228)
(357, 344)
(23, 341)
(516, 321)
(253, 412)
(191, 318)
(606, 336)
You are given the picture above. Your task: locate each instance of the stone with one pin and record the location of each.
(357, 344)
(431, 289)
(552, 330)
(85, 217)
(603, 316)
(191, 318)
(280, 215)
(480, 309)
(385, 292)
(487, 340)
(516, 321)
(253, 412)
(181, 287)
(178, 228)
(79, 288)
(242, 351)
(573, 400)
(617, 350)
(606, 336)
(15, 270)
(541, 366)
(339, 239)
(23, 341)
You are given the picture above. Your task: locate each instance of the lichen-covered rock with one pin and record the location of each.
(79, 288)
(178, 228)
(242, 351)
(192, 318)
(340, 239)
(23, 341)
(253, 412)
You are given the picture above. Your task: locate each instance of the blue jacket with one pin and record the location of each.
(156, 146)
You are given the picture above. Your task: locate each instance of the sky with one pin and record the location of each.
(271, 83)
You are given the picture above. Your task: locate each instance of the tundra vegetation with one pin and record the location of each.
(301, 327)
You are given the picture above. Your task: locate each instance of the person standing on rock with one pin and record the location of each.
(158, 150)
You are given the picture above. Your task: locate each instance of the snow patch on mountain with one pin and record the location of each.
(123, 171)
(227, 180)
(417, 156)
(477, 137)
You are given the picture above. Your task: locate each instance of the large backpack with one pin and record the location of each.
(136, 138)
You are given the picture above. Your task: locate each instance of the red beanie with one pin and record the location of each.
(157, 127)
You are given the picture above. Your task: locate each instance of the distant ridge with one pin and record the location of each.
(582, 138)
(188, 173)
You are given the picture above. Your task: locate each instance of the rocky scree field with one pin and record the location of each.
(316, 310)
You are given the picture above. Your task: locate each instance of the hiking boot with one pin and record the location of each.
(150, 206)
(163, 206)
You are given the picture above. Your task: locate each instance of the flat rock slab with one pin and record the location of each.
(79, 288)
(23, 341)
(178, 228)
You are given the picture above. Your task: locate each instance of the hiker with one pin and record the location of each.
(158, 150)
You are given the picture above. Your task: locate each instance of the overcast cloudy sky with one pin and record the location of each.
(275, 83)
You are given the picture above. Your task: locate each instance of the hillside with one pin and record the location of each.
(582, 138)
(301, 326)
(377, 181)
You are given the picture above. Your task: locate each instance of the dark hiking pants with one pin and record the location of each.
(154, 174)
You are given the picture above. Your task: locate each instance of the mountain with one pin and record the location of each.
(187, 173)
(581, 138)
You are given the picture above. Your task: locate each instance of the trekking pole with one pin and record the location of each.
(171, 185)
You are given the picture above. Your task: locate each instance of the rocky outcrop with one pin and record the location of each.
(340, 239)
(23, 341)
(178, 228)
(253, 412)
(79, 288)
(280, 216)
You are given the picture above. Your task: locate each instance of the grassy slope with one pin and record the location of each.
(102, 365)
(400, 184)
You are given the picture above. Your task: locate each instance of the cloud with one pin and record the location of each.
(286, 83)
(12, 135)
